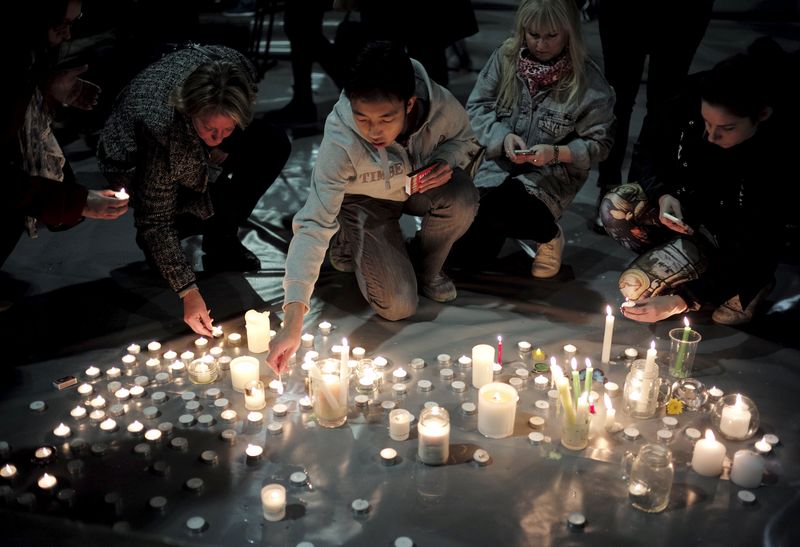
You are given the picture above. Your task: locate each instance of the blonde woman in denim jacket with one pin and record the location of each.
(544, 112)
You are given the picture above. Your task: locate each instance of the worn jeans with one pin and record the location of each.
(370, 234)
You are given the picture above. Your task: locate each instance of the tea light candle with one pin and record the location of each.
(358, 353)
(539, 355)
(92, 372)
(748, 469)
(273, 502)
(62, 431)
(216, 331)
(85, 390)
(612, 389)
(201, 344)
(254, 418)
(229, 415)
(399, 424)
(399, 389)
(108, 425)
(536, 422)
(497, 407)
(243, 369)
(524, 346)
(651, 354)
(458, 386)
(276, 386)
(325, 328)
(47, 482)
(279, 410)
(153, 435)
(569, 352)
(97, 416)
(128, 360)
(497, 368)
(464, 361)
(253, 453)
(122, 394)
(305, 403)
(735, 421)
(516, 383)
(399, 374)
(380, 362)
(235, 339)
(8, 471)
(715, 393)
(122, 194)
(443, 359)
(446, 374)
(254, 395)
(307, 340)
(98, 402)
(541, 382)
(631, 353)
(708, 456)
(78, 413)
(154, 347)
(134, 349)
(136, 428)
(136, 391)
(608, 333)
(113, 372)
(43, 453)
(763, 446)
(178, 368)
(388, 456)
(425, 385)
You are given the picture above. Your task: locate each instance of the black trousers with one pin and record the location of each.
(508, 210)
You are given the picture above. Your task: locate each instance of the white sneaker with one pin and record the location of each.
(547, 261)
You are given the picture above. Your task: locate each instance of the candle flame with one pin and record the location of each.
(739, 404)
(710, 435)
(652, 344)
(686, 322)
(608, 310)
(588, 363)
(556, 371)
(499, 339)
(47, 476)
(574, 363)
(344, 342)
(607, 401)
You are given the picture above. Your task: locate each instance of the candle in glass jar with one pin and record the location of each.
(708, 456)
(243, 370)
(273, 502)
(434, 436)
(735, 420)
(399, 424)
(497, 408)
(482, 361)
(254, 395)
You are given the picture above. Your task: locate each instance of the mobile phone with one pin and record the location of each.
(64, 382)
(524, 152)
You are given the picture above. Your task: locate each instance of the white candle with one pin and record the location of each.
(276, 386)
(254, 417)
(187, 356)
(328, 400)
(255, 397)
(273, 502)
(611, 413)
(345, 355)
(201, 372)
(113, 372)
(651, 354)
(257, 325)
(92, 372)
(399, 374)
(136, 391)
(136, 428)
(153, 435)
(434, 436)
(497, 408)
(325, 328)
(47, 482)
(121, 194)
(253, 452)
(235, 339)
(524, 346)
(85, 389)
(735, 421)
(541, 382)
(201, 343)
(715, 393)
(216, 331)
(98, 402)
(128, 360)
(708, 456)
(605, 356)
(78, 412)
(108, 425)
(399, 424)
(243, 370)
(763, 446)
(482, 361)
(154, 347)
(122, 394)
(307, 340)
(380, 361)
(748, 469)
(569, 352)
(62, 431)
(8, 471)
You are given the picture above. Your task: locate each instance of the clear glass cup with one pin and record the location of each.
(203, 371)
(434, 436)
(644, 390)
(575, 429)
(683, 347)
(329, 381)
(649, 475)
(735, 416)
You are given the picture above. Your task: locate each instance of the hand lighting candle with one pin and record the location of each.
(605, 355)
(121, 194)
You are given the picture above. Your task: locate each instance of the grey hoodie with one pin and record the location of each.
(349, 164)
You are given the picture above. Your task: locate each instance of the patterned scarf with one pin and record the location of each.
(540, 75)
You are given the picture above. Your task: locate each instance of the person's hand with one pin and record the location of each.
(195, 313)
(286, 342)
(103, 205)
(671, 216)
(439, 175)
(540, 154)
(69, 90)
(514, 142)
(650, 310)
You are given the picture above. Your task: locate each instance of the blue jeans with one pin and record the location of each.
(370, 231)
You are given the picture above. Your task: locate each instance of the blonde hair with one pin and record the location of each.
(560, 15)
(217, 87)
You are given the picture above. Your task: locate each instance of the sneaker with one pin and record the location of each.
(732, 313)
(547, 261)
(440, 289)
(232, 257)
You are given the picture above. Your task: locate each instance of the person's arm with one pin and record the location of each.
(594, 127)
(286, 342)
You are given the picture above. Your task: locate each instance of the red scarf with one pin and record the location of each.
(540, 75)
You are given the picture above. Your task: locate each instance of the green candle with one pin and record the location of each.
(587, 381)
(681, 357)
(576, 381)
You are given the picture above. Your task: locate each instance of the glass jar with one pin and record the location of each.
(434, 436)
(329, 381)
(644, 390)
(735, 417)
(368, 378)
(203, 371)
(649, 474)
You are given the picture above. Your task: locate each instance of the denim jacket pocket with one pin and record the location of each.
(555, 124)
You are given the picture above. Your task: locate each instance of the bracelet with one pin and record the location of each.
(554, 161)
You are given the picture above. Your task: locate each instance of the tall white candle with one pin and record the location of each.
(611, 413)
(605, 355)
(345, 355)
(257, 326)
(735, 421)
(497, 408)
(708, 456)
(482, 361)
(273, 502)
(748, 469)
(243, 369)
(651, 354)
(434, 436)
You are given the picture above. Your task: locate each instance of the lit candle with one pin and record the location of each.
(98, 402)
(611, 413)
(399, 374)
(92, 372)
(85, 389)
(325, 328)
(243, 370)
(153, 435)
(200, 372)
(273, 502)
(569, 352)
(681, 357)
(587, 380)
(482, 361)
(43, 453)
(121, 194)
(500, 349)
(399, 424)
(307, 340)
(747, 469)
(216, 331)
(228, 415)
(735, 421)
(136, 391)
(122, 394)
(136, 428)
(62, 431)
(257, 326)
(97, 416)
(380, 361)
(562, 385)
(108, 425)
(715, 393)
(113, 372)
(763, 446)
(8, 471)
(605, 355)
(47, 482)
(651, 354)
(235, 339)
(253, 453)
(708, 456)
(497, 408)
(345, 356)
(434, 436)
(576, 381)
(254, 395)
(154, 347)
(538, 355)
(276, 386)
(254, 418)
(328, 404)
(78, 412)
(201, 343)
(541, 382)
(388, 456)
(128, 360)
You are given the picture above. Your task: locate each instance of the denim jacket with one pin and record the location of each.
(585, 126)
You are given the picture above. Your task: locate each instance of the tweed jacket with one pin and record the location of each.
(154, 152)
